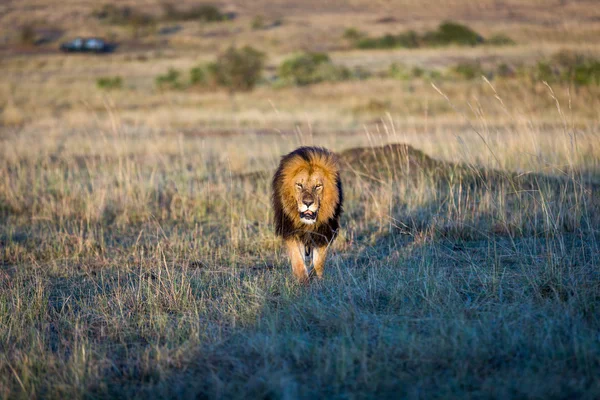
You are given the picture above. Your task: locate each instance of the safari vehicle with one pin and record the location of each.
(87, 45)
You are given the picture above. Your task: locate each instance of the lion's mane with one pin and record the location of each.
(286, 217)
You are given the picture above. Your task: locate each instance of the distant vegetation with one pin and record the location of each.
(126, 15)
(452, 33)
(564, 67)
(353, 34)
(237, 69)
(568, 66)
(500, 39)
(469, 70)
(109, 82)
(260, 22)
(170, 80)
(242, 69)
(308, 68)
(203, 12)
(448, 33)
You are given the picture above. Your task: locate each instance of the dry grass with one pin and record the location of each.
(137, 259)
(142, 264)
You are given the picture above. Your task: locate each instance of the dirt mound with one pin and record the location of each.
(402, 161)
(391, 160)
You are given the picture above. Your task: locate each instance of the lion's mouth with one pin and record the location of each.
(308, 215)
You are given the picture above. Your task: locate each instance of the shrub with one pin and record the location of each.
(469, 70)
(446, 34)
(170, 80)
(567, 59)
(452, 33)
(408, 40)
(576, 68)
(399, 71)
(204, 12)
(237, 69)
(258, 22)
(587, 73)
(352, 34)
(505, 71)
(500, 39)
(543, 71)
(197, 76)
(418, 72)
(402, 72)
(140, 23)
(107, 82)
(308, 68)
(125, 15)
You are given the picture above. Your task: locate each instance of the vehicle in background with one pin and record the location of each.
(87, 45)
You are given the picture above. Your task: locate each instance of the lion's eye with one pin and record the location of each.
(298, 186)
(319, 187)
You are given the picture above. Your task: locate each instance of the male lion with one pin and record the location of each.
(307, 199)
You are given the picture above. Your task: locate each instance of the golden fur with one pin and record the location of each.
(307, 202)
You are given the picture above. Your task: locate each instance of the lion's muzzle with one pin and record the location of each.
(308, 209)
(308, 216)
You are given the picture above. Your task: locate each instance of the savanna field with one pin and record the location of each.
(137, 253)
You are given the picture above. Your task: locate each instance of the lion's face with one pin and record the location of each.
(309, 192)
(307, 187)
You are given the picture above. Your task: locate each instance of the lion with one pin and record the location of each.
(307, 202)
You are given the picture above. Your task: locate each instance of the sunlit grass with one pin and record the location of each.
(141, 263)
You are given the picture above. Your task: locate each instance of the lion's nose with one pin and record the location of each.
(307, 201)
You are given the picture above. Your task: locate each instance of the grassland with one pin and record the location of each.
(137, 258)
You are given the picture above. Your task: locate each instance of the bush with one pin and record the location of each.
(402, 72)
(125, 15)
(587, 73)
(576, 68)
(237, 69)
(469, 70)
(505, 71)
(409, 40)
(141, 24)
(308, 68)
(107, 82)
(452, 33)
(204, 12)
(500, 39)
(447, 33)
(352, 34)
(399, 71)
(544, 72)
(170, 80)
(258, 22)
(197, 76)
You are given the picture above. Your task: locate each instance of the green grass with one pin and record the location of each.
(147, 268)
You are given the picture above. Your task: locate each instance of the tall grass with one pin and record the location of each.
(142, 264)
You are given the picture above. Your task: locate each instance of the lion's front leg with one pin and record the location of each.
(296, 253)
(319, 256)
